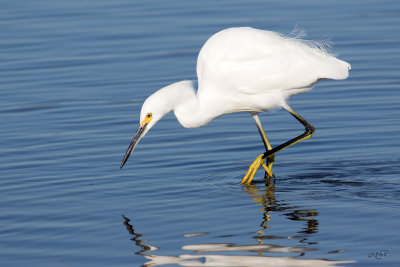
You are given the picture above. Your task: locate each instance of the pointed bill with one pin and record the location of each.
(139, 134)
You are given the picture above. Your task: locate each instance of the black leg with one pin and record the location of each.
(309, 131)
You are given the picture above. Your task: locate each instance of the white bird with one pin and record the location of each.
(244, 69)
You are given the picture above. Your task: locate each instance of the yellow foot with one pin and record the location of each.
(253, 169)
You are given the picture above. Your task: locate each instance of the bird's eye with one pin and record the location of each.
(149, 115)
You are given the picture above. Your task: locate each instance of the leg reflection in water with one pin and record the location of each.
(264, 196)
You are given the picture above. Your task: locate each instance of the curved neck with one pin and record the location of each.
(190, 110)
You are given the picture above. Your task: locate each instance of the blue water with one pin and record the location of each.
(73, 76)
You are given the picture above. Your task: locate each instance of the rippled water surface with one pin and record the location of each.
(73, 76)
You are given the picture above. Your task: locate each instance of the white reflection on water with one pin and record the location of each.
(205, 254)
(225, 260)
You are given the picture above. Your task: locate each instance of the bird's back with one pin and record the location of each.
(251, 62)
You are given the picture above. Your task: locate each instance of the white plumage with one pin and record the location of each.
(259, 69)
(242, 69)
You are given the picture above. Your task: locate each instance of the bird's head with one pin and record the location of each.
(154, 108)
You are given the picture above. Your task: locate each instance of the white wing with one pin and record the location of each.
(250, 61)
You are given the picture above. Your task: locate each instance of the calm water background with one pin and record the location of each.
(73, 76)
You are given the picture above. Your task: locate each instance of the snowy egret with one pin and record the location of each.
(244, 69)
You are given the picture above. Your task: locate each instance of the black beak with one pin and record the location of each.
(139, 134)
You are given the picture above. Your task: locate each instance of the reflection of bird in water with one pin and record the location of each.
(244, 69)
(204, 254)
